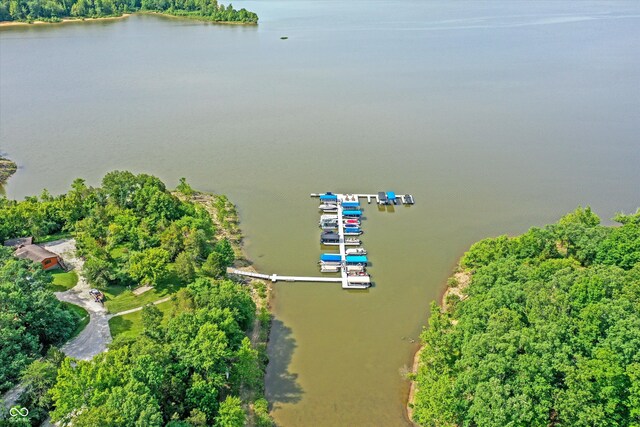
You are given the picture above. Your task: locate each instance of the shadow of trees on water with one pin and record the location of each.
(281, 385)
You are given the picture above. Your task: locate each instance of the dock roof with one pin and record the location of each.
(357, 258)
(351, 213)
(328, 196)
(330, 257)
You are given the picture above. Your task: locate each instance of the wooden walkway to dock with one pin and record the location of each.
(279, 278)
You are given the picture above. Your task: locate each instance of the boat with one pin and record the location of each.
(328, 226)
(352, 221)
(357, 274)
(327, 217)
(352, 241)
(329, 268)
(352, 231)
(328, 207)
(356, 251)
(350, 225)
(356, 259)
(331, 257)
(355, 268)
(352, 213)
(330, 238)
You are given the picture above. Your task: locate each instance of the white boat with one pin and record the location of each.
(328, 217)
(329, 268)
(330, 263)
(328, 226)
(355, 268)
(356, 251)
(327, 207)
(352, 241)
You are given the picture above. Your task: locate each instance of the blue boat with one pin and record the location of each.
(328, 197)
(347, 225)
(352, 213)
(331, 257)
(352, 231)
(351, 204)
(357, 259)
(391, 196)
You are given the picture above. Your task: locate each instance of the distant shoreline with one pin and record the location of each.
(7, 24)
(64, 20)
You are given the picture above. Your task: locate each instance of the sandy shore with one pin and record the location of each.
(63, 21)
(462, 280)
(112, 18)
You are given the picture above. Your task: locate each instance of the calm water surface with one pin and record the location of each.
(496, 116)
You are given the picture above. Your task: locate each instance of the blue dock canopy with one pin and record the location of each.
(357, 259)
(351, 213)
(391, 195)
(350, 204)
(331, 257)
(328, 196)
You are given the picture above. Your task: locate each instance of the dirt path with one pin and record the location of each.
(95, 337)
(10, 398)
(133, 310)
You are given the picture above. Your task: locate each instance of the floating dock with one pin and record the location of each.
(346, 208)
(381, 198)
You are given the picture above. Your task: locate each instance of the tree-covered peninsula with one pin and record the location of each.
(542, 329)
(57, 10)
(189, 343)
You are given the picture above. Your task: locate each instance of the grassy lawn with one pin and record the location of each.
(119, 298)
(130, 325)
(82, 314)
(63, 281)
(52, 237)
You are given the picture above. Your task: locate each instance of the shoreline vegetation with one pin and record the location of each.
(540, 329)
(7, 169)
(38, 12)
(197, 359)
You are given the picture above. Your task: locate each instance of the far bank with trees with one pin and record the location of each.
(59, 10)
(541, 329)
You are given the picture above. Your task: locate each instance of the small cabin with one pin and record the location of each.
(35, 253)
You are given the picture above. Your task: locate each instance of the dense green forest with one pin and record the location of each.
(186, 372)
(546, 333)
(192, 365)
(55, 10)
(131, 230)
(31, 318)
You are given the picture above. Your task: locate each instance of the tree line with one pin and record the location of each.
(56, 10)
(130, 231)
(186, 369)
(32, 320)
(547, 333)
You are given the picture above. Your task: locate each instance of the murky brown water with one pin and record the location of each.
(496, 116)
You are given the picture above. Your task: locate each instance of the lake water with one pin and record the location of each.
(496, 115)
